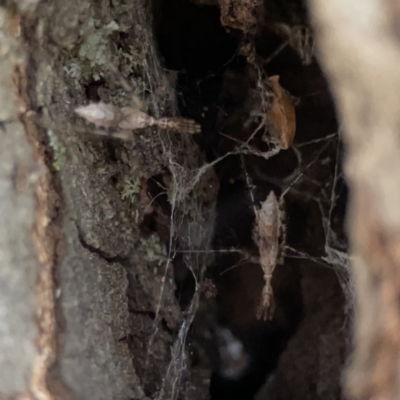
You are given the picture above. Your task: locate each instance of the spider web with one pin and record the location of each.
(196, 257)
(335, 257)
(195, 234)
(191, 222)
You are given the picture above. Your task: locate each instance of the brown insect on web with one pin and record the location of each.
(268, 234)
(131, 118)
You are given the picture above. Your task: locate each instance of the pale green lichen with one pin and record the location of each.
(59, 151)
(118, 96)
(155, 250)
(139, 87)
(131, 189)
(94, 51)
(135, 59)
(134, 56)
(73, 69)
(102, 171)
(145, 138)
(97, 52)
(95, 46)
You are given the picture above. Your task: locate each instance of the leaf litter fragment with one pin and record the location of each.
(281, 115)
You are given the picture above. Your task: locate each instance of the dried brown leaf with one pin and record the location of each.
(281, 116)
(239, 14)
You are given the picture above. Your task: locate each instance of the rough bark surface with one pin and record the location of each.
(87, 304)
(97, 234)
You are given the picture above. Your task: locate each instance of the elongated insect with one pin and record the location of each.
(268, 234)
(132, 118)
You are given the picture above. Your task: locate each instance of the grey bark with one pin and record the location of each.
(17, 253)
(360, 51)
(81, 315)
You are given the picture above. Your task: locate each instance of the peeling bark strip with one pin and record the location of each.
(24, 179)
(376, 356)
(360, 49)
(47, 237)
(17, 254)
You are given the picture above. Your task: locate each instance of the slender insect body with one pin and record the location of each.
(101, 114)
(130, 118)
(135, 119)
(268, 234)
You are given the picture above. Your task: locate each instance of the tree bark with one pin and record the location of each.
(87, 304)
(87, 300)
(359, 48)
